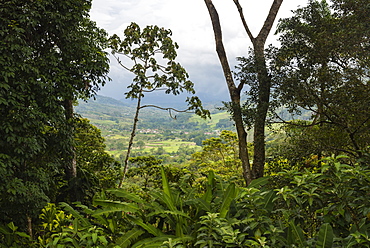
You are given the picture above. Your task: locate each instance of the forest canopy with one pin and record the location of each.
(62, 186)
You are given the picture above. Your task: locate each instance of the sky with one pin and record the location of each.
(191, 28)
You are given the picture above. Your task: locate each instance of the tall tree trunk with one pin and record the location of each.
(71, 161)
(264, 86)
(234, 92)
(131, 141)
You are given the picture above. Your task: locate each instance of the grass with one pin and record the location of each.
(168, 146)
(215, 118)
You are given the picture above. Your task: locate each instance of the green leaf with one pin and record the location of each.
(207, 197)
(166, 187)
(227, 199)
(269, 204)
(202, 204)
(114, 206)
(94, 237)
(169, 212)
(148, 227)
(165, 199)
(124, 194)
(152, 242)
(75, 214)
(296, 234)
(129, 237)
(326, 236)
(259, 182)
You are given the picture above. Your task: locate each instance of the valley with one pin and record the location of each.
(173, 139)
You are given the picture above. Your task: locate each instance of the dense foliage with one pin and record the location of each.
(51, 53)
(325, 208)
(315, 190)
(323, 66)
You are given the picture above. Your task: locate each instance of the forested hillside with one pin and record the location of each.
(158, 132)
(285, 163)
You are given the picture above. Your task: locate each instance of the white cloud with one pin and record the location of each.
(192, 30)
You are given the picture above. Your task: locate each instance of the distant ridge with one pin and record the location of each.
(105, 100)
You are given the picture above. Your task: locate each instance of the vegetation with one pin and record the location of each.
(261, 90)
(51, 54)
(143, 47)
(185, 182)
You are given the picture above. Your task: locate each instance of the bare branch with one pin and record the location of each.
(155, 89)
(265, 30)
(240, 10)
(282, 121)
(120, 63)
(162, 108)
(168, 109)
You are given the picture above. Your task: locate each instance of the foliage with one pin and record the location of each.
(323, 66)
(152, 54)
(327, 208)
(143, 48)
(96, 169)
(50, 52)
(219, 155)
(10, 237)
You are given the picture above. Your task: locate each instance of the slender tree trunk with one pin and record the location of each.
(71, 161)
(131, 141)
(29, 226)
(234, 92)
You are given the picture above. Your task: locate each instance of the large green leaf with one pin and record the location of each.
(295, 234)
(124, 194)
(166, 186)
(326, 236)
(75, 214)
(129, 237)
(201, 204)
(148, 227)
(164, 198)
(259, 182)
(169, 212)
(114, 206)
(269, 204)
(152, 242)
(227, 199)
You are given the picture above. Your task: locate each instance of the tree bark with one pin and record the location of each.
(71, 161)
(234, 93)
(263, 99)
(29, 226)
(131, 141)
(264, 86)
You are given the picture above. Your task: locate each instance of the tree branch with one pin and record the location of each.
(120, 63)
(265, 30)
(219, 45)
(240, 10)
(168, 109)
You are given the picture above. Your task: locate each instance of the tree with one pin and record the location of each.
(219, 155)
(263, 89)
(152, 54)
(140, 144)
(51, 53)
(323, 66)
(96, 169)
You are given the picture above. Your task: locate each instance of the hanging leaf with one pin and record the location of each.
(326, 236)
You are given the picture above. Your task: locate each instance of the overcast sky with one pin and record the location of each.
(191, 27)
